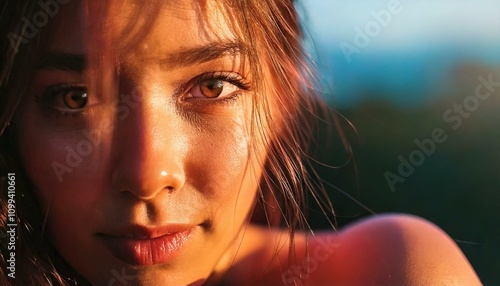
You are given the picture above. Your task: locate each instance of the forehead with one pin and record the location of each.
(145, 29)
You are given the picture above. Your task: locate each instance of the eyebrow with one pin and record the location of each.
(188, 57)
(62, 61)
(203, 54)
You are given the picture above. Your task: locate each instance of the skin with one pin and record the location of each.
(169, 160)
(172, 158)
(391, 249)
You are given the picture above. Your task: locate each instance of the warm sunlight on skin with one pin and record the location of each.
(178, 161)
(157, 181)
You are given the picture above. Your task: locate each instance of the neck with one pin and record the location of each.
(258, 255)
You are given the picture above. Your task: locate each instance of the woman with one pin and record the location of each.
(144, 136)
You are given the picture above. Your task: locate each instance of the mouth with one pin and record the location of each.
(142, 246)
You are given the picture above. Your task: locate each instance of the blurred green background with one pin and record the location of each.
(416, 72)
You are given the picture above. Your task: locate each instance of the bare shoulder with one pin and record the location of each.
(388, 250)
(382, 250)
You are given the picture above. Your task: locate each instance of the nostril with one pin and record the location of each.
(146, 182)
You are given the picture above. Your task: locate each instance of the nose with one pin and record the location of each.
(148, 149)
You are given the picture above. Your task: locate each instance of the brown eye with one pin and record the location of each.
(216, 87)
(67, 99)
(75, 98)
(212, 88)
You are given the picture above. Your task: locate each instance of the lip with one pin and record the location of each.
(139, 245)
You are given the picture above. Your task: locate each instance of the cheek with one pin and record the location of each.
(226, 171)
(69, 183)
(220, 162)
(61, 165)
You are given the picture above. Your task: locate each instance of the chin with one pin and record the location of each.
(146, 276)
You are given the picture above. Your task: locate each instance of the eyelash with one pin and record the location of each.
(48, 98)
(232, 78)
(229, 77)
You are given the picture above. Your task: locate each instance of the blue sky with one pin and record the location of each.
(409, 58)
(419, 22)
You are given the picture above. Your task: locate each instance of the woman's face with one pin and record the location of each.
(153, 183)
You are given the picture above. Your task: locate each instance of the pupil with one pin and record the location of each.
(216, 84)
(212, 88)
(76, 100)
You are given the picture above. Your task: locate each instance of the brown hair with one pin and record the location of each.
(272, 24)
